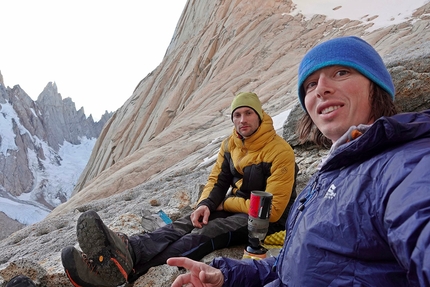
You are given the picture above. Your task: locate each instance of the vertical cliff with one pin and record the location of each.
(219, 48)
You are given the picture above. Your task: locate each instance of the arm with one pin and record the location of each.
(406, 218)
(219, 180)
(224, 272)
(200, 274)
(246, 272)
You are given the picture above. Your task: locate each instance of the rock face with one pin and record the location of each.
(157, 150)
(8, 226)
(49, 119)
(32, 133)
(218, 50)
(62, 122)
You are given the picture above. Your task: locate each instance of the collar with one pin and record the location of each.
(351, 134)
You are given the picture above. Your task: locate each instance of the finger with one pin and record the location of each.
(181, 262)
(194, 220)
(175, 261)
(197, 224)
(206, 217)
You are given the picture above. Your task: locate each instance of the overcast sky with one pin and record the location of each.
(96, 51)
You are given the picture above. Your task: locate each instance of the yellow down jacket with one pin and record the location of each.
(264, 161)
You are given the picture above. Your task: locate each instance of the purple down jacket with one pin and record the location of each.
(363, 219)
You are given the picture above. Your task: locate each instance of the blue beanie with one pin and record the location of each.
(348, 51)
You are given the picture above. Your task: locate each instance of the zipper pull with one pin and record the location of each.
(302, 203)
(303, 200)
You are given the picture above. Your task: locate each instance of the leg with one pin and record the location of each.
(148, 245)
(230, 232)
(223, 230)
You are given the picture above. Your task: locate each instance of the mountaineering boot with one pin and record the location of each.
(85, 272)
(109, 249)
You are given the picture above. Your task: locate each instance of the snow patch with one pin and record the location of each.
(380, 13)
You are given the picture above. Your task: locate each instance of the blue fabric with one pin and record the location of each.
(366, 218)
(350, 52)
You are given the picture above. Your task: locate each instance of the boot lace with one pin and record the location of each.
(90, 263)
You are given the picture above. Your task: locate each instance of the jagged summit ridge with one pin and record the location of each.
(33, 138)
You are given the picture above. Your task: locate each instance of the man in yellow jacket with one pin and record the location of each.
(252, 158)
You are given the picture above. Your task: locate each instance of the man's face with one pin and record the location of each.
(337, 98)
(246, 121)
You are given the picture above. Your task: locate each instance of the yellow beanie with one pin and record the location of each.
(247, 100)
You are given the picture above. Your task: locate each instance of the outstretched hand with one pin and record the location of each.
(199, 275)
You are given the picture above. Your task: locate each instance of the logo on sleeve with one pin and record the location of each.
(330, 194)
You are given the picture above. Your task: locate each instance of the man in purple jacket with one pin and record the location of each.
(364, 217)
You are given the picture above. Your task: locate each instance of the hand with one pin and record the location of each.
(200, 274)
(200, 216)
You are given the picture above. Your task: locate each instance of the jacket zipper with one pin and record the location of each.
(310, 194)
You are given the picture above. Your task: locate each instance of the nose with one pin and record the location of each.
(324, 86)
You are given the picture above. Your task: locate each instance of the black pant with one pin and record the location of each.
(181, 238)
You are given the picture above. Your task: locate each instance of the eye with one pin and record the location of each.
(309, 86)
(342, 72)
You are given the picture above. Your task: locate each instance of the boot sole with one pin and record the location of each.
(92, 237)
(95, 240)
